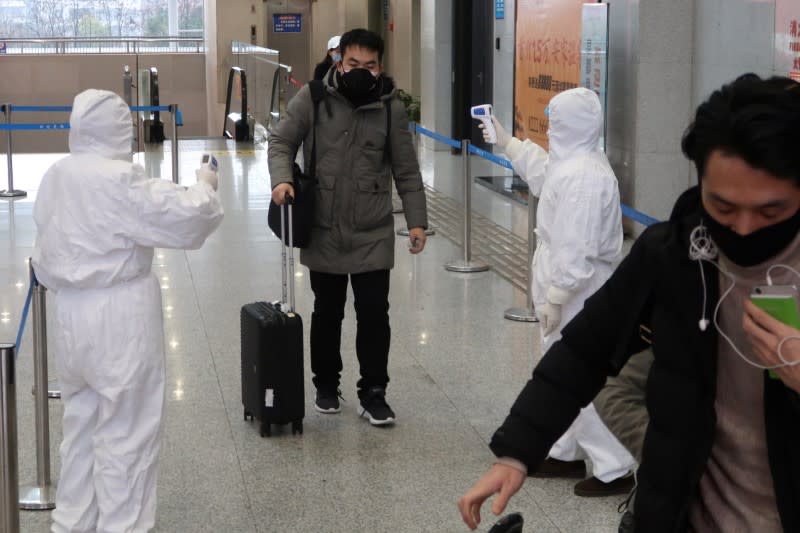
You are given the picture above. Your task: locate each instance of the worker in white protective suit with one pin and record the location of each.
(579, 229)
(98, 219)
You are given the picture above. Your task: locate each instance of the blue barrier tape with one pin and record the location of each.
(627, 211)
(638, 216)
(65, 125)
(163, 108)
(24, 318)
(67, 108)
(503, 162)
(64, 108)
(61, 126)
(438, 137)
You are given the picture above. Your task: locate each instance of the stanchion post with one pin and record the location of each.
(41, 494)
(10, 192)
(467, 264)
(527, 313)
(173, 110)
(9, 488)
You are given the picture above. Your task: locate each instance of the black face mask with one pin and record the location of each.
(757, 247)
(357, 83)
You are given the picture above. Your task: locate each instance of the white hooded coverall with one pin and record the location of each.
(98, 219)
(579, 242)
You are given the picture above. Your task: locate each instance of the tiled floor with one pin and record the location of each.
(456, 366)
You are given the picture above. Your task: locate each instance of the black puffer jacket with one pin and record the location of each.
(656, 287)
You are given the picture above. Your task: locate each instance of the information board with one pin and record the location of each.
(287, 23)
(594, 54)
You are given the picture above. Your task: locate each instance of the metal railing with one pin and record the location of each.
(104, 45)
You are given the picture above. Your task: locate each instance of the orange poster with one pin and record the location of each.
(547, 61)
(787, 38)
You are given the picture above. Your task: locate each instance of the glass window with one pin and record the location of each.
(100, 18)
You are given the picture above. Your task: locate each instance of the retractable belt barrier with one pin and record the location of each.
(520, 314)
(8, 109)
(627, 211)
(68, 109)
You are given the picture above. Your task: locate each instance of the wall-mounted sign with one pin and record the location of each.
(594, 53)
(787, 38)
(287, 23)
(499, 9)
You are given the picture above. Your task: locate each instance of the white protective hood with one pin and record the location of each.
(581, 133)
(98, 216)
(101, 124)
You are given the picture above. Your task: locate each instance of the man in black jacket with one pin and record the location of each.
(721, 449)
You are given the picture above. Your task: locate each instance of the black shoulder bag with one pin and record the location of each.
(304, 185)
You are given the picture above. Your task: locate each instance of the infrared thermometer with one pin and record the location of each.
(484, 114)
(209, 162)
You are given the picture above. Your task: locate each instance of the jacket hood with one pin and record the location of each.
(687, 204)
(576, 120)
(100, 124)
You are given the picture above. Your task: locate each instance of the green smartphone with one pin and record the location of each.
(780, 302)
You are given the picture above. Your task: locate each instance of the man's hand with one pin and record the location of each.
(499, 478)
(766, 335)
(280, 191)
(417, 238)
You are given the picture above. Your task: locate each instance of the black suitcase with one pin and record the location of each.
(272, 356)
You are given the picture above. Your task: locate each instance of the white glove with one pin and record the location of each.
(549, 316)
(503, 137)
(210, 177)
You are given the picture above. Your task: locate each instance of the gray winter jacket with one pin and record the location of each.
(353, 228)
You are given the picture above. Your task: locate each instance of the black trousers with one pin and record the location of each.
(373, 334)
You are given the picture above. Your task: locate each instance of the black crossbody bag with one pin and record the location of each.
(304, 186)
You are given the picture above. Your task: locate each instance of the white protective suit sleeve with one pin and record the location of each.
(529, 161)
(579, 223)
(162, 214)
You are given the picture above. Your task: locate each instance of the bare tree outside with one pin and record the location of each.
(46, 18)
(93, 18)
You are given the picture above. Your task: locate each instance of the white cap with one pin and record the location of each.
(333, 42)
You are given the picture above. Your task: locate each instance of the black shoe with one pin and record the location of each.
(374, 407)
(592, 487)
(627, 524)
(328, 400)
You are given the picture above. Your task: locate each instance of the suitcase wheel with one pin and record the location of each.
(297, 427)
(246, 415)
(266, 430)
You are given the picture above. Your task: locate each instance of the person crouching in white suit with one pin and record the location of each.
(98, 218)
(579, 242)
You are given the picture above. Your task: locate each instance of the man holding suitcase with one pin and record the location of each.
(362, 141)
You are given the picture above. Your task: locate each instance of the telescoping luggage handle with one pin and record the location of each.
(287, 303)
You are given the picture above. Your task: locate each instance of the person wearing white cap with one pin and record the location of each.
(332, 57)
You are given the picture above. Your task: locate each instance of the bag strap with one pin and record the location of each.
(317, 88)
(387, 152)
